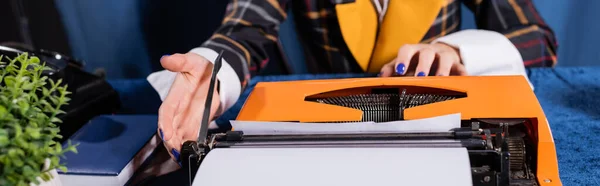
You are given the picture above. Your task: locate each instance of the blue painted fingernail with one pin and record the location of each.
(421, 74)
(379, 75)
(180, 164)
(176, 154)
(400, 68)
(161, 134)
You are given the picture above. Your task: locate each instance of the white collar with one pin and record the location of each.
(381, 9)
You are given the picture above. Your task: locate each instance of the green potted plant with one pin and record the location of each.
(29, 105)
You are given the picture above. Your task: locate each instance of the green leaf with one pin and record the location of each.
(9, 81)
(24, 79)
(52, 82)
(45, 176)
(12, 153)
(4, 141)
(34, 60)
(55, 120)
(18, 131)
(33, 132)
(48, 108)
(27, 86)
(63, 168)
(58, 147)
(3, 111)
(21, 142)
(52, 130)
(54, 160)
(30, 162)
(45, 103)
(40, 116)
(54, 100)
(72, 149)
(23, 106)
(21, 183)
(45, 91)
(60, 112)
(17, 162)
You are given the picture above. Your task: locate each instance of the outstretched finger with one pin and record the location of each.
(185, 63)
(174, 148)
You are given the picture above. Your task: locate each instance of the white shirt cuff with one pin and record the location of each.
(230, 88)
(486, 53)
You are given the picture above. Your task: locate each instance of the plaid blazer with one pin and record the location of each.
(250, 25)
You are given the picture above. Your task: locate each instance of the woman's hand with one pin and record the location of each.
(425, 59)
(181, 112)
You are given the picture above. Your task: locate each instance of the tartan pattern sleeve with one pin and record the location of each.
(521, 23)
(247, 27)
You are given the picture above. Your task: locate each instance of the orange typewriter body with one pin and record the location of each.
(483, 97)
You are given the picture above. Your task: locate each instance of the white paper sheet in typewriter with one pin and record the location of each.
(338, 166)
(435, 124)
(335, 166)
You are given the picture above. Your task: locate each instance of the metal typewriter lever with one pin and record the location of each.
(193, 152)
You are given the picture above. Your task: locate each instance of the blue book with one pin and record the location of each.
(111, 148)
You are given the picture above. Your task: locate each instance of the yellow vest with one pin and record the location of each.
(375, 44)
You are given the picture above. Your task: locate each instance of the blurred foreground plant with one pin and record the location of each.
(29, 106)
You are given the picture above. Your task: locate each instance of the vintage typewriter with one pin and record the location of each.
(503, 126)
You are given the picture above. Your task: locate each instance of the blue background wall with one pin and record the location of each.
(106, 34)
(576, 25)
(127, 37)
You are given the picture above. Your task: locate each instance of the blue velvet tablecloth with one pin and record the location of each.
(569, 97)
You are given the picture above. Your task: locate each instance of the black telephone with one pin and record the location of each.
(91, 94)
